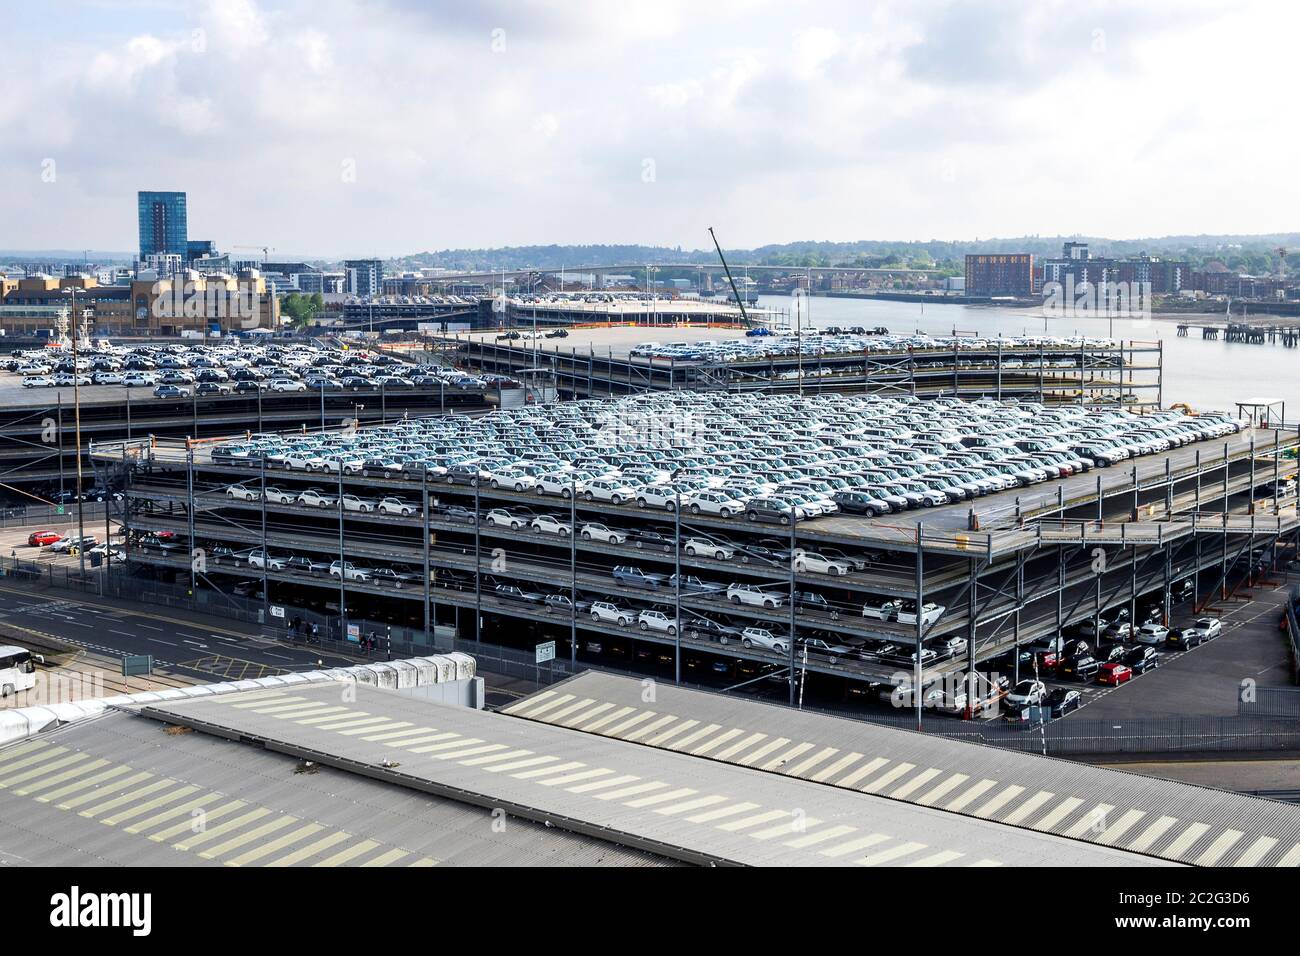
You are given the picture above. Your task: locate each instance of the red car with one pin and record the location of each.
(39, 539)
(1114, 673)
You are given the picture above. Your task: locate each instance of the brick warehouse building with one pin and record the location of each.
(1001, 274)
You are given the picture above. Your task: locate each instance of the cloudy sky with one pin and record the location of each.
(350, 127)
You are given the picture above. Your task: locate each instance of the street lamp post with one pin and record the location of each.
(76, 413)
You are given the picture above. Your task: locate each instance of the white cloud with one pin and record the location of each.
(774, 121)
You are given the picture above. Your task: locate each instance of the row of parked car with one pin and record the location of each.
(762, 458)
(174, 370)
(783, 342)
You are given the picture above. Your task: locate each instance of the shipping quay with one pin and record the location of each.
(494, 565)
(599, 362)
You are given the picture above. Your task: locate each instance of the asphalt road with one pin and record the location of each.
(191, 645)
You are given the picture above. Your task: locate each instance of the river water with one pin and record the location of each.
(1204, 374)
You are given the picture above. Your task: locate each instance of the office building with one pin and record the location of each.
(364, 276)
(163, 225)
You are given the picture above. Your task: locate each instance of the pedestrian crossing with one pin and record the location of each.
(827, 841)
(184, 816)
(1188, 841)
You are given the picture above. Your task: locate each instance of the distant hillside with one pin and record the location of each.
(1253, 253)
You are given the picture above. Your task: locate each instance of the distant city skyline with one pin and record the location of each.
(338, 129)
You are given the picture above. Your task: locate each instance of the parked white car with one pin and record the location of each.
(1209, 626)
(657, 621)
(278, 496)
(820, 564)
(754, 595)
(315, 498)
(501, 518)
(396, 506)
(549, 524)
(357, 503)
(257, 558)
(1154, 634)
(713, 503)
(614, 490)
(657, 496)
(704, 548)
(285, 385)
(243, 493)
(762, 637)
(593, 531)
(348, 571)
(607, 613)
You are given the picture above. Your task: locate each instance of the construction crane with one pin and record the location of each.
(266, 250)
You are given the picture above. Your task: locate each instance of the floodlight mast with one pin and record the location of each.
(739, 301)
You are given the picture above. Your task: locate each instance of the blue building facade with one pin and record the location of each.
(163, 224)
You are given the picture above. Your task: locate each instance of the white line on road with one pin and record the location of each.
(159, 640)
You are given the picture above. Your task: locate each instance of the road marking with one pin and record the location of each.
(234, 843)
(391, 856)
(888, 777)
(603, 784)
(821, 836)
(1063, 809)
(775, 743)
(543, 771)
(632, 790)
(320, 846)
(937, 859)
(728, 752)
(865, 770)
(778, 762)
(893, 853)
(853, 846)
(692, 737)
(1120, 826)
(58, 778)
(351, 853)
(1291, 858)
(1255, 852)
(920, 780)
(826, 753)
(586, 715)
(1090, 820)
(642, 802)
(721, 738)
(130, 781)
(92, 781)
(126, 798)
(941, 790)
(842, 764)
(530, 762)
(758, 819)
(672, 732)
(221, 829)
(616, 715)
(148, 805)
(1183, 842)
(198, 803)
(649, 728)
(289, 839)
(696, 804)
(1152, 833)
(618, 729)
(569, 709)
(1214, 852)
(40, 757)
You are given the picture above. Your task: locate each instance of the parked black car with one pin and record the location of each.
(1062, 700)
(1078, 668)
(1141, 659)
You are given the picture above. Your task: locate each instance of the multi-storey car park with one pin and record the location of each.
(208, 390)
(1055, 369)
(694, 532)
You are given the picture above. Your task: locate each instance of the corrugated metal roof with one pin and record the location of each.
(1175, 821)
(684, 807)
(120, 789)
